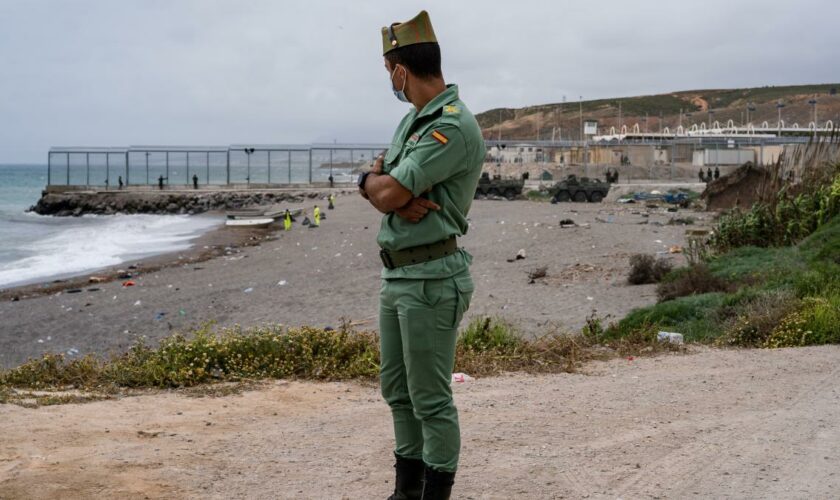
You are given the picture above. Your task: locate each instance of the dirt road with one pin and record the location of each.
(723, 424)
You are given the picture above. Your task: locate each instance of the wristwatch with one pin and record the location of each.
(362, 178)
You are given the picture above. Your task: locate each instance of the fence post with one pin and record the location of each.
(310, 165)
(269, 166)
(207, 154)
(87, 169)
(49, 167)
(227, 167)
(290, 166)
(167, 167)
(188, 168)
(126, 167)
(107, 169)
(68, 168)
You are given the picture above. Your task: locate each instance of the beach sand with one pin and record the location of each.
(320, 276)
(756, 423)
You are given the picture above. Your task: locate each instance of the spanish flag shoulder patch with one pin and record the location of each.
(436, 135)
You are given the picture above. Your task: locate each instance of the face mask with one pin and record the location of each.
(400, 94)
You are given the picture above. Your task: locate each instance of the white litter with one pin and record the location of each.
(461, 377)
(672, 337)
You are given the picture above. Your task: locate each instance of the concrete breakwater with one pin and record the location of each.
(78, 202)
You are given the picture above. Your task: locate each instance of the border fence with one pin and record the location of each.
(262, 166)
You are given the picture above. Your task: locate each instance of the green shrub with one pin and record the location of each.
(646, 269)
(692, 280)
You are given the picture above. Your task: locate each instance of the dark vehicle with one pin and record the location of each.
(580, 190)
(509, 188)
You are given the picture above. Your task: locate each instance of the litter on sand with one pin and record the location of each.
(461, 378)
(248, 290)
(672, 337)
(128, 283)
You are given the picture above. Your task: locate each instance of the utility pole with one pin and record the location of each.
(813, 103)
(580, 115)
(500, 124)
(779, 106)
(619, 120)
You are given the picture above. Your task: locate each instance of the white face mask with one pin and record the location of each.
(400, 94)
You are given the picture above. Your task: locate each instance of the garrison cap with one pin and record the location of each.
(417, 30)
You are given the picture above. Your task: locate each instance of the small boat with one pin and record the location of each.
(252, 222)
(247, 213)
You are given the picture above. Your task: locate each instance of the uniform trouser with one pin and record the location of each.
(418, 324)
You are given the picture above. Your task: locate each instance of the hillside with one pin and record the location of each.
(538, 121)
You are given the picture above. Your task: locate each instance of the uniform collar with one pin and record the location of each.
(447, 96)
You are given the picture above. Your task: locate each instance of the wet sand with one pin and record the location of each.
(321, 276)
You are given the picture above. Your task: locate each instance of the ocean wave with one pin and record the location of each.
(92, 242)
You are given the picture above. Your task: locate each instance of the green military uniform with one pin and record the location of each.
(437, 153)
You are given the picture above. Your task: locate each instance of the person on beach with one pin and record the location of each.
(424, 185)
(195, 181)
(330, 201)
(287, 220)
(316, 215)
(119, 179)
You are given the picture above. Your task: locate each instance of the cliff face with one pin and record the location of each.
(78, 203)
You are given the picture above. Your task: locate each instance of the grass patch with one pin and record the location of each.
(208, 362)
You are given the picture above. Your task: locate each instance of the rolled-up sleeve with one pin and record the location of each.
(439, 154)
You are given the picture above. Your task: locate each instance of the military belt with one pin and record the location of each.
(393, 259)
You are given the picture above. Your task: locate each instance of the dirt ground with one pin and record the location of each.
(319, 276)
(715, 423)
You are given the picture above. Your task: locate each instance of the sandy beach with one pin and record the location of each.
(320, 276)
(717, 423)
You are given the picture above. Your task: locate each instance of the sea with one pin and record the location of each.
(39, 248)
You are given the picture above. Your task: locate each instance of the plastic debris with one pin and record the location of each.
(97, 279)
(461, 378)
(128, 283)
(182, 312)
(248, 290)
(281, 283)
(520, 254)
(137, 303)
(675, 249)
(73, 290)
(159, 316)
(567, 223)
(672, 337)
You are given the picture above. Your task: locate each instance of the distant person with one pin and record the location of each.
(195, 181)
(332, 181)
(717, 173)
(287, 220)
(331, 201)
(160, 182)
(709, 174)
(615, 175)
(120, 181)
(316, 215)
(701, 176)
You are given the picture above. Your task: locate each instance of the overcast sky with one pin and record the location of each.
(208, 72)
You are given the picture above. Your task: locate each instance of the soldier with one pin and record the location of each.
(701, 176)
(717, 173)
(709, 174)
(424, 186)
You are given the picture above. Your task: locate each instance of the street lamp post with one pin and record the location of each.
(147, 167)
(813, 103)
(249, 152)
(779, 106)
(750, 109)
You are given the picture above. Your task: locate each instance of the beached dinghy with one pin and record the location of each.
(250, 222)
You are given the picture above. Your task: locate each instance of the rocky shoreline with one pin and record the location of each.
(76, 203)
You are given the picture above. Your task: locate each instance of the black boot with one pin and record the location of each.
(437, 484)
(409, 483)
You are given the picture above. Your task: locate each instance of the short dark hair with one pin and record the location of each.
(422, 59)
